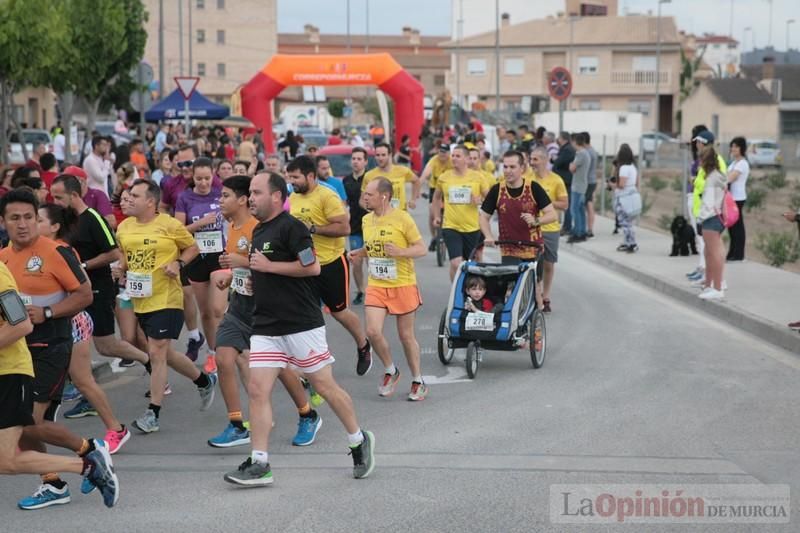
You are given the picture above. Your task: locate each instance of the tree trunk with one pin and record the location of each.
(91, 118)
(66, 101)
(3, 123)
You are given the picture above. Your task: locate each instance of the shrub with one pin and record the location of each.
(755, 198)
(779, 248)
(665, 222)
(776, 181)
(794, 202)
(677, 184)
(645, 204)
(657, 183)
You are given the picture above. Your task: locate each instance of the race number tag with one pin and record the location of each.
(241, 281)
(139, 285)
(479, 321)
(395, 203)
(209, 242)
(383, 268)
(460, 195)
(26, 299)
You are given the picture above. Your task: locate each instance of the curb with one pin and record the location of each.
(768, 331)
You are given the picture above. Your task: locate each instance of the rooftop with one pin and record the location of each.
(709, 38)
(789, 74)
(739, 91)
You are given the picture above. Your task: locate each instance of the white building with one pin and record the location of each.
(720, 52)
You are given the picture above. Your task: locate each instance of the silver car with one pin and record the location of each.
(764, 153)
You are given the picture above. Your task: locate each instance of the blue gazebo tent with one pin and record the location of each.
(172, 108)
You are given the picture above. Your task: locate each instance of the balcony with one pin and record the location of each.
(639, 78)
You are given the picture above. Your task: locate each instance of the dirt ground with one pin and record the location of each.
(661, 205)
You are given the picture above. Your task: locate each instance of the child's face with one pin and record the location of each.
(476, 292)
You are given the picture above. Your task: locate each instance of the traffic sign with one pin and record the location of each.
(141, 101)
(142, 74)
(187, 85)
(559, 83)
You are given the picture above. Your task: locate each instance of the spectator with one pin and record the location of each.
(738, 173)
(164, 167)
(590, 190)
(580, 183)
(59, 146)
(6, 174)
(288, 147)
(403, 156)
(97, 166)
(566, 154)
(138, 158)
(161, 139)
(710, 208)
(49, 170)
(334, 138)
(549, 141)
(355, 139)
(247, 149)
(625, 186)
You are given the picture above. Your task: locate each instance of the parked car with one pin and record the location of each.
(650, 139)
(317, 139)
(339, 157)
(106, 129)
(764, 153)
(16, 155)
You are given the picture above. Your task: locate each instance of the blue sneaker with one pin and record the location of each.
(87, 487)
(193, 348)
(102, 475)
(81, 409)
(231, 436)
(71, 393)
(45, 496)
(307, 430)
(697, 276)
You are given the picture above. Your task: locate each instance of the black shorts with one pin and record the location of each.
(333, 284)
(50, 366)
(161, 324)
(102, 312)
(201, 267)
(16, 401)
(185, 277)
(430, 195)
(460, 244)
(234, 333)
(590, 193)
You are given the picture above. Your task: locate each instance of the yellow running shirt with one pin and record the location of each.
(399, 176)
(399, 229)
(555, 188)
(437, 168)
(148, 248)
(488, 179)
(460, 212)
(318, 207)
(489, 166)
(14, 358)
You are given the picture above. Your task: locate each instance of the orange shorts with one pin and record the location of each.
(397, 300)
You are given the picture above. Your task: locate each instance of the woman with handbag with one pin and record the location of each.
(627, 201)
(712, 224)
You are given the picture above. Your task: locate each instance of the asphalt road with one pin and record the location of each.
(635, 389)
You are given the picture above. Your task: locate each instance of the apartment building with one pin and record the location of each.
(720, 52)
(224, 42)
(613, 61)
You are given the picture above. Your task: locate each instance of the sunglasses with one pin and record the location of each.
(185, 164)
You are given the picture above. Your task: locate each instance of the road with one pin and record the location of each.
(635, 389)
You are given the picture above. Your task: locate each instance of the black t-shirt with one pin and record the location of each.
(95, 237)
(539, 195)
(352, 187)
(283, 304)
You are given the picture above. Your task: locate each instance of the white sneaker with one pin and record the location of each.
(711, 293)
(700, 283)
(724, 285)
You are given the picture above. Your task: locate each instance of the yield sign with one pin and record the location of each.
(559, 83)
(186, 85)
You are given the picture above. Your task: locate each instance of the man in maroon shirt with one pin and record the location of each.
(94, 198)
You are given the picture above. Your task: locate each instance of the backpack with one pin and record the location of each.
(730, 211)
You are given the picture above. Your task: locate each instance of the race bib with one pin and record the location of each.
(241, 281)
(460, 195)
(139, 285)
(395, 203)
(479, 321)
(383, 268)
(26, 299)
(209, 242)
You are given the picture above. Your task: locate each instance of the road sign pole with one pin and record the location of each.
(560, 117)
(186, 118)
(140, 82)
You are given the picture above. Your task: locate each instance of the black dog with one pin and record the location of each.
(682, 237)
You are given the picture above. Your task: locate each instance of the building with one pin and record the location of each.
(769, 54)
(720, 52)
(613, 60)
(731, 107)
(783, 83)
(225, 42)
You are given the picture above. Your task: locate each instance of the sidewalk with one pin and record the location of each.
(760, 299)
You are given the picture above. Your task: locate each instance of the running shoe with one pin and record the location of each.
(207, 392)
(418, 392)
(697, 275)
(70, 393)
(359, 299)
(389, 383)
(127, 363)
(622, 248)
(794, 325)
(710, 293)
(364, 362)
(115, 439)
(81, 409)
(231, 436)
(307, 428)
(167, 391)
(101, 474)
(694, 272)
(364, 456)
(432, 246)
(193, 347)
(250, 474)
(45, 496)
(210, 366)
(147, 423)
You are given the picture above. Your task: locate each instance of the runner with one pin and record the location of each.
(391, 243)
(52, 288)
(399, 175)
(435, 168)
(460, 190)
(554, 186)
(155, 248)
(474, 163)
(198, 209)
(233, 337)
(323, 214)
(352, 185)
(291, 332)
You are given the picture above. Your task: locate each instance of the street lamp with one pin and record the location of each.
(658, 74)
(790, 21)
(744, 37)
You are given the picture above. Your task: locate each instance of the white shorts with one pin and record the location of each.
(306, 351)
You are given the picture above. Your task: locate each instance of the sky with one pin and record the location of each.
(433, 17)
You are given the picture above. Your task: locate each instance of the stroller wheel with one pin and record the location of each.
(441, 251)
(472, 360)
(537, 338)
(445, 352)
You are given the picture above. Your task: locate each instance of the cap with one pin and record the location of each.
(73, 170)
(444, 148)
(353, 131)
(705, 137)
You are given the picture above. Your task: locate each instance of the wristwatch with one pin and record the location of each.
(181, 263)
(83, 266)
(48, 313)
(312, 229)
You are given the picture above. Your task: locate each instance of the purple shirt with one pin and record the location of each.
(173, 186)
(196, 206)
(97, 200)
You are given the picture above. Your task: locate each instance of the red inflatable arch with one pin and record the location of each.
(357, 69)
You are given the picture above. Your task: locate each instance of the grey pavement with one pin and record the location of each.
(637, 387)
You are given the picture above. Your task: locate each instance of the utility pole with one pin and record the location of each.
(180, 36)
(191, 37)
(160, 49)
(769, 36)
(658, 77)
(366, 42)
(790, 21)
(459, 37)
(497, 56)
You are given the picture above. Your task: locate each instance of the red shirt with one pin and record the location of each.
(511, 224)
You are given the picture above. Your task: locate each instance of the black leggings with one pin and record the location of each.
(737, 234)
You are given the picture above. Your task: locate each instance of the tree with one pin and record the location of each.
(336, 108)
(688, 81)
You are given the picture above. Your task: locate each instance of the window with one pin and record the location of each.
(639, 106)
(220, 36)
(590, 105)
(716, 46)
(201, 36)
(200, 4)
(476, 67)
(201, 69)
(438, 79)
(514, 66)
(220, 4)
(221, 70)
(731, 46)
(790, 122)
(644, 63)
(588, 65)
